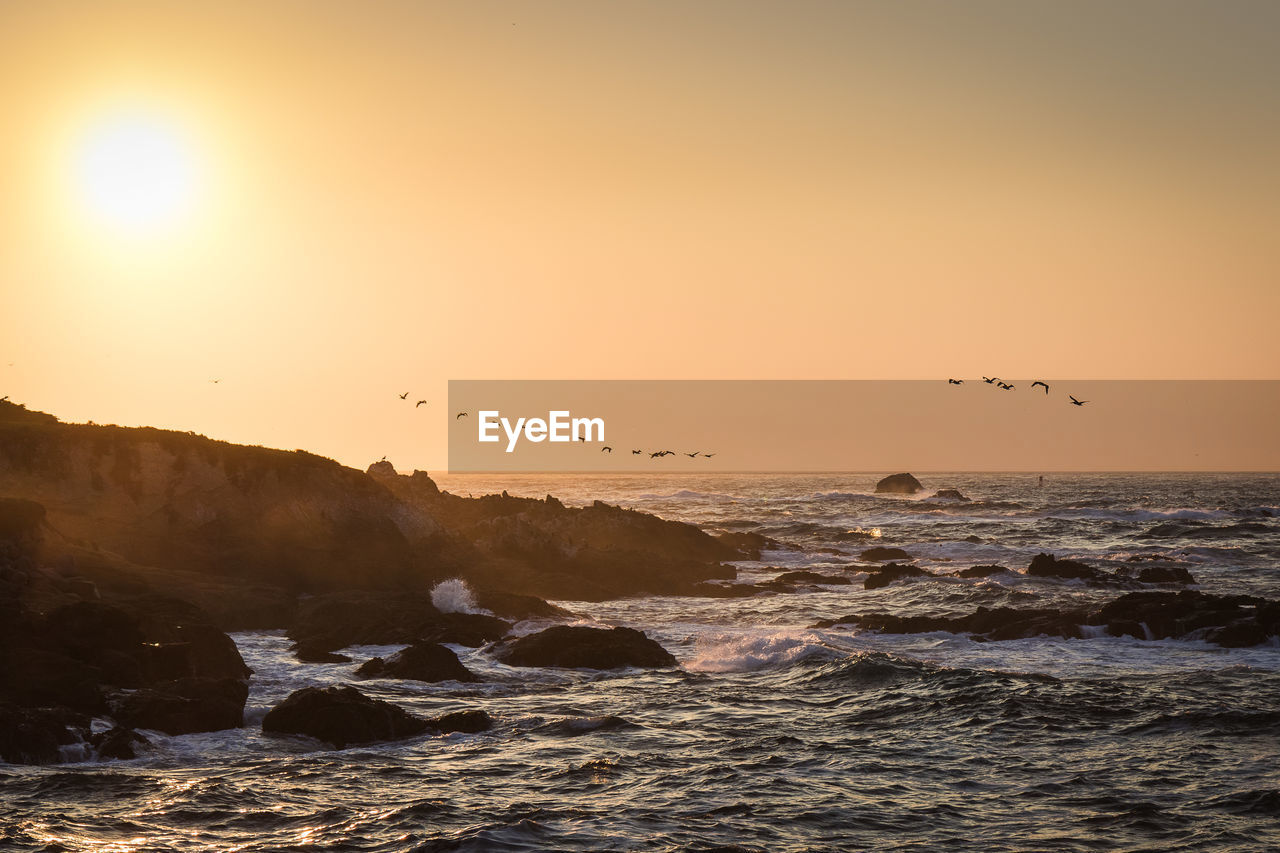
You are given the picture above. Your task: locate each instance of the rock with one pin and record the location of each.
(749, 545)
(880, 554)
(981, 571)
(1165, 574)
(974, 539)
(311, 654)
(184, 706)
(341, 715)
(811, 577)
(949, 495)
(419, 662)
(586, 725)
(467, 722)
(118, 743)
(1046, 566)
(885, 575)
(33, 735)
(337, 620)
(899, 484)
(382, 470)
(1236, 618)
(517, 608)
(574, 646)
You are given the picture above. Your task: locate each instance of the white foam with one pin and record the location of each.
(754, 651)
(454, 596)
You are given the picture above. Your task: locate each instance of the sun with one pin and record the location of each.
(136, 172)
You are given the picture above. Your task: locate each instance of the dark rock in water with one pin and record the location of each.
(749, 545)
(898, 484)
(1047, 566)
(118, 743)
(574, 646)
(184, 706)
(311, 654)
(885, 575)
(337, 620)
(467, 722)
(419, 662)
(949, 495)
(586, 725)
(1166, 574)
(33, 735)
(999, 623)
(517, 608)
(340, 715)
(1229, 620)
(812, 577)
(880, 554)
(981, 571)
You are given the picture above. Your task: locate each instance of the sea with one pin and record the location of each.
(773, 735)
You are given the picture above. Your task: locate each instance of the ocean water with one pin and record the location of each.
(772, 735)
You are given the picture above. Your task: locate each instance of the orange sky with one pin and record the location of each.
(395, 194)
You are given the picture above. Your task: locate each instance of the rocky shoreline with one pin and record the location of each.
(127, 554)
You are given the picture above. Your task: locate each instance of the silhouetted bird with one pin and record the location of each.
(1041, 384)
(1076, 402)
(383, 459)
(955, 381)
(693, 454)
(992, 379)
(582, 439)
(656, 455)
(708, 455)
(419, 403)
(404, 396)
(1006, 386)
(215, 381)
(606, 449)
(461, 415)
(636, 452)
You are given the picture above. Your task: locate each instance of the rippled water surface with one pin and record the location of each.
(773, 735)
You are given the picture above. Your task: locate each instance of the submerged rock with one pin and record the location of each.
(811, 577)
(949, 495)
(307, 653)
(118, 743)
(466, 722)
(419, 662)
(885, 575)
(1048, 566)
(981, 571)
(184, 706)
(574, 646)
(899, 484)
(341, 715)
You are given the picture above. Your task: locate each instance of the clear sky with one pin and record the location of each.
(323, 205)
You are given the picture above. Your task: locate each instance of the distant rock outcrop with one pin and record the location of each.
(573, 646)
(899, 484)
(880, 554)
(949, 495)
(885, 575)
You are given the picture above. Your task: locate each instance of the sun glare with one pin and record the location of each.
(136, 173)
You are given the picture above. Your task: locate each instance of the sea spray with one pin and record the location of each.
(454, 596)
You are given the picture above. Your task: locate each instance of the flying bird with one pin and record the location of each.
(606, 449)
(404, 396)
(1076, 402)
(693, 454)
(992, 379)
(636, 452)
(955, 381)
(419, 403)
(656, 455)
(215, 381)
(708, 455)
(1041, 384)
(1006, 386)
(461, 415)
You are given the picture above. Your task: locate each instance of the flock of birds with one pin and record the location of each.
(606, 449)
(1008, 386)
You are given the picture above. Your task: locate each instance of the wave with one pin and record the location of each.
(753, 652)
(688, 494)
